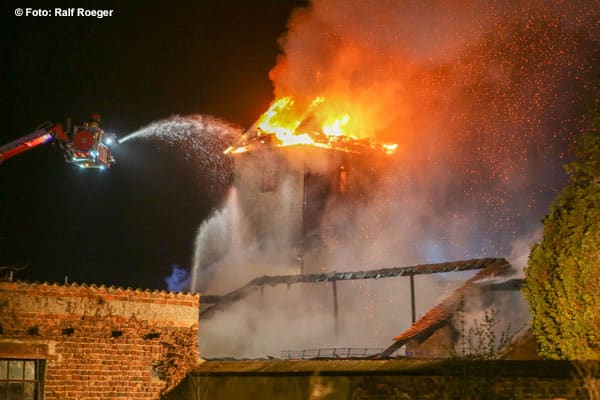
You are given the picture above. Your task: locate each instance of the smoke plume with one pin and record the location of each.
(483, 99)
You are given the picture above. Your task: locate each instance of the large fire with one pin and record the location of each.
(286, 123)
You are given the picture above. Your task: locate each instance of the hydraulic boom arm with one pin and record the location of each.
(86, 146)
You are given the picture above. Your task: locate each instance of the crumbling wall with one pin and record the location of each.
(100, 342)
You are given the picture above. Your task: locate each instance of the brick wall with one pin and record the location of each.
(100, 342)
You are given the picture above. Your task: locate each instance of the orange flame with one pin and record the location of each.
(316, 126)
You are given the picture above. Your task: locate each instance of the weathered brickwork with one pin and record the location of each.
(100, 342)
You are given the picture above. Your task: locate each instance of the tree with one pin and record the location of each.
(562, 282)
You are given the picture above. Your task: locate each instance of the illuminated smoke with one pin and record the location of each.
(217, 247)
(227, 256)
(179, 280)
(483, 99)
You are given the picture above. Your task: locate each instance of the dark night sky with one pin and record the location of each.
(151, 59)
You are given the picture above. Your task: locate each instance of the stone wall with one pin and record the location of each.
(99, 342)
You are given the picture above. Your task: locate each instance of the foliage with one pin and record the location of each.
(587, 378)
(563, 273)
(178, 358)
(480, 341)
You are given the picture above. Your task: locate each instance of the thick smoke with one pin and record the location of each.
(487, 320)
(483, 99)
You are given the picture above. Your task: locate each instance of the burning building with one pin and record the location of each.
(290, 168)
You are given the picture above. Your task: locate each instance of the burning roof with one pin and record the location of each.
(286, 123)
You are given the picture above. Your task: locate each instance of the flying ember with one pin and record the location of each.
(286, 123)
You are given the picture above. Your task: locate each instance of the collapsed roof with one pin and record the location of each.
(440, 314)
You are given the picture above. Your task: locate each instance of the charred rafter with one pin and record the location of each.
(218, 302)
